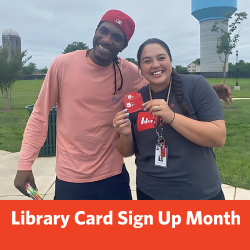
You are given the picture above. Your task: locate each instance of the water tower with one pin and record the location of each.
(208, 12)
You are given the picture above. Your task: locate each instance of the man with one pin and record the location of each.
(88, 87)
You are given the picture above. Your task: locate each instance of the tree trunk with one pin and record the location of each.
(6, 99)
(224, 73)
(10, 96)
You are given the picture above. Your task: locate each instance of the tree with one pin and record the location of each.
(29, 70)
(242, 67)
(197, 61)
(75, 46)
(44, 70)
(11, 64)
(132, 60)
(231, 70)
(181, 70)
(227, 39)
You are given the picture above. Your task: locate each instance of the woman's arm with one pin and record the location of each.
(206, 134)
(124, 144)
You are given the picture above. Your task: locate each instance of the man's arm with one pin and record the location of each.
(224, 92)
(36, 129)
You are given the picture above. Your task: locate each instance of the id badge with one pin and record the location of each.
(160, 157)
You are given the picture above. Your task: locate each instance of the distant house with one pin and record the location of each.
(38, 76)
(193, 67)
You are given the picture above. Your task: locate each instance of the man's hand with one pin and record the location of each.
(22, 178)
(224, 92)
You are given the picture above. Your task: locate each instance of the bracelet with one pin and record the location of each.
(172, 119)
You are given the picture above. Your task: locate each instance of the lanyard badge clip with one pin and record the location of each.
(161, 153)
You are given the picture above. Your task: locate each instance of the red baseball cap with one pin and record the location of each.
(121, 20)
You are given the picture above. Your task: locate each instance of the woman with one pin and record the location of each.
(172, 138)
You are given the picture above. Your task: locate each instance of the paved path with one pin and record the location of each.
(44, 172)
(241, 98)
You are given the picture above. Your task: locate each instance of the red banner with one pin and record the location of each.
(124, 224)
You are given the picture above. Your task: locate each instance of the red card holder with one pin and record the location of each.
(131, 96)
(133, 102)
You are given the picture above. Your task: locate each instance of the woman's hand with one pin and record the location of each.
(158, 107)
(122, 124)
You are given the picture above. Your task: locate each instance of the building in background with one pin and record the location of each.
(193, 68)
(207, 12)
(11, 40)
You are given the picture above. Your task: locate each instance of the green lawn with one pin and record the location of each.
(24, 93)
(233, 159)
(12, 123)
(243, 83)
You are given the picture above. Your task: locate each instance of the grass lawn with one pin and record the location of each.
(12, 123)
(233, 159)
(243, 83)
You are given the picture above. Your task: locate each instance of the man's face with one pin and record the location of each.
(108, 41)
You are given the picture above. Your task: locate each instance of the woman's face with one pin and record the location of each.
(155, 64)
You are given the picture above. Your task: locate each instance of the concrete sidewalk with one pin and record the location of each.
(44, 172)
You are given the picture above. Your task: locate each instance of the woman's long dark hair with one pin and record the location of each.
(176, 80)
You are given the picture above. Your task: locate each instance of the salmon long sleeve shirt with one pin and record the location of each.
(86, 106)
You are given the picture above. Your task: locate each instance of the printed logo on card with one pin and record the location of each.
(145, 121)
